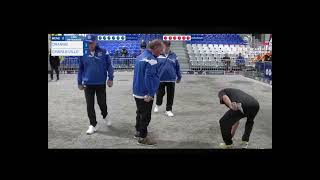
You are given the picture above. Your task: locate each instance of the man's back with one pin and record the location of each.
(145, 80)
(236, 95)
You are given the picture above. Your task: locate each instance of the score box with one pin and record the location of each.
(67, 48)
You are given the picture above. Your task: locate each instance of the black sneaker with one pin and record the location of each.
(146, 141)
(137, 135)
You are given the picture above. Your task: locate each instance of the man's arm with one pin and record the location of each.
(227, 101)
(109, 68)
(110, 71)
(178, 70)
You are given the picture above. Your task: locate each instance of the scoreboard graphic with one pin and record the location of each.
(68, 45)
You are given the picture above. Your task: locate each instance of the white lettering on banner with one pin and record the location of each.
(268, 72)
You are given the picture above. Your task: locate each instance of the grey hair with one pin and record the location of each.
(154, 44)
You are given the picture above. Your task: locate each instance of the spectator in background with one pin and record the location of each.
(227, 61)
(117, 53)
(240, 61)
(143, 46)
(54, 64)
(124, 52)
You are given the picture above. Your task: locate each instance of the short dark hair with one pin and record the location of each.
(154, 44)
(167, 43)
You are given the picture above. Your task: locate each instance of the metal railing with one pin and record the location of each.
(264, 69)
(123, 63)
(250, 69)
(70, 65)
(219, 65)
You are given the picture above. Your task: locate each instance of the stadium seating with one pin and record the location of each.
(204, 50)
(211, 48)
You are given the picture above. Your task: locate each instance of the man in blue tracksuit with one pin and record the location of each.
(93, 71)
(169, 73)
(145, 84)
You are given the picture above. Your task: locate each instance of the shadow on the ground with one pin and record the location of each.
(196, 113)
(127, 131)
(168, 144)
(118, 132)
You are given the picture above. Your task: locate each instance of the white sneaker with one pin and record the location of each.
(108, 120)
(156, 109)
(224, 146)
(91, 130)
(169, 113)
(244, 144)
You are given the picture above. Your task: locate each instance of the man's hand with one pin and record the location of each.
(179, 80)
(147, 98)
(81, 87)
(234, 106)
(110, 83)
(239, 105)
